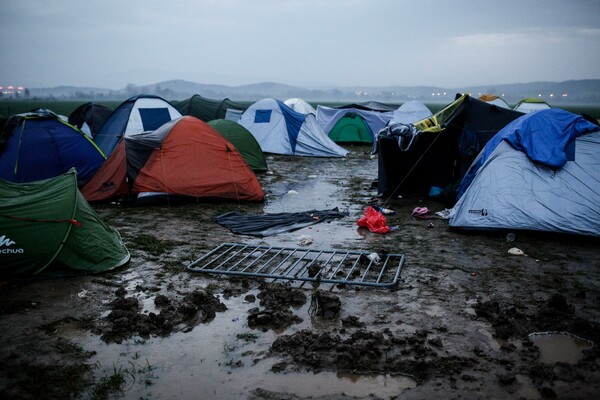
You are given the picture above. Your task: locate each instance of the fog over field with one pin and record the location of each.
(111, 44)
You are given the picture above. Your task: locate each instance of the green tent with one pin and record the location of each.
(207, 109)
(48, 222)
(243, 141)
(351, 128)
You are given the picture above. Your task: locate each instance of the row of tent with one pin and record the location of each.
(142, 146)
(497, 167)
(502, 169)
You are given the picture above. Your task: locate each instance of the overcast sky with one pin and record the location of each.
(309, 43)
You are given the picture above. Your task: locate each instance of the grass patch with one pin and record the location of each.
(110, 386)
(154, 245)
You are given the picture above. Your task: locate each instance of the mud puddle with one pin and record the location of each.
(456, 326)
(226, 359)
(560, 347)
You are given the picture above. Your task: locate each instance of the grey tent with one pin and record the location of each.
(410, 112)
(540, 173)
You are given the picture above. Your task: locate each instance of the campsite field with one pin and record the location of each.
(464, 321)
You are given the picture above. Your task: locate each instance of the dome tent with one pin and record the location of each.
(410, 112)
(539, 173)
(438, 150)
(40, 145)
(207, 109)
(328, 117)
(531, 104)
(89, 118)
(351, 128)
(184, 157)
(138, 114)
(243, 141)
(48, 223)
(300, 105)
(281, 130)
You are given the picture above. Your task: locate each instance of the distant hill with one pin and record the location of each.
(569, 92)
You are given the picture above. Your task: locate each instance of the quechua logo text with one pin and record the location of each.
(6, 246)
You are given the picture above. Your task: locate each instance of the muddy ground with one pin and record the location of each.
(457, 325)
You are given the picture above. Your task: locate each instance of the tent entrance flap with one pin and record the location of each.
(301, 264)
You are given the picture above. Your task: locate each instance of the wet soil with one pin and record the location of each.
(457, 325)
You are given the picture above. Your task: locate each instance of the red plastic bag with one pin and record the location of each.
(374, 221)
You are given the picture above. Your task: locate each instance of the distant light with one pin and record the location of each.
(502, 95)
(551, 94)
(10, 87)
(433, 94)
(540, 95)
(1, 88)
(565, 94)
(20, 88)
(444, 93)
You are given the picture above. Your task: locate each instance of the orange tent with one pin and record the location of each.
(183, 157)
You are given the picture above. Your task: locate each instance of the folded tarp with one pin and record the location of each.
(272, 224)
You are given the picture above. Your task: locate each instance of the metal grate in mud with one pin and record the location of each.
(302, 264)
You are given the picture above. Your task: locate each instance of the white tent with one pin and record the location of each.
(281, 130)
(136, 115)
(300, 105)
(232, 114)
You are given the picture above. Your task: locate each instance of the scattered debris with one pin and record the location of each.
(514, 251)
(374, 257)
(305, 240)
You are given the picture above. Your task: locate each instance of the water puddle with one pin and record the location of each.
(225, 360)
(560, 347)
(329, 383)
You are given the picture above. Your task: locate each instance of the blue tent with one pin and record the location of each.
(279, 129)
(540, 173)
(39, 145)
(136, 115)
(545, 136)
